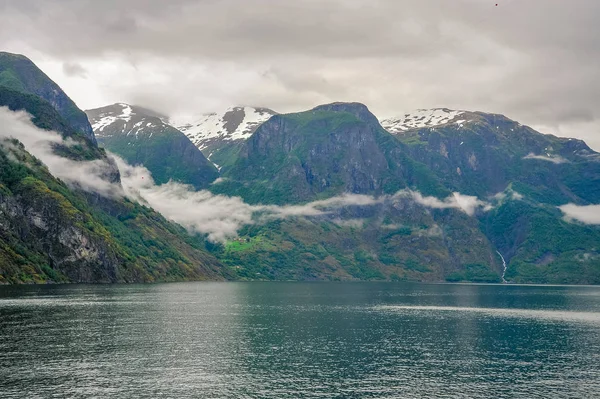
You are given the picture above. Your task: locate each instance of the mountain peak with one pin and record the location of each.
(235, 123)
(19, 73)
(5, 54)
(357, 109)
(102, 117)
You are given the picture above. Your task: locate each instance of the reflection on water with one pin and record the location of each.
(290, 340)
(559, 315)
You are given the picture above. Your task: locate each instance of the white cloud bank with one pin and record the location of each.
(40, 143)
(221, 217)
(588, 214)
(218, 216)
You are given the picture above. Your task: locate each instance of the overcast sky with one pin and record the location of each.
(536, 61)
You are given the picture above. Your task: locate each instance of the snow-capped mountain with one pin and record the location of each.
(218, 134)
(237, 123)
(425, 118)
(123, 119)
(141, 137)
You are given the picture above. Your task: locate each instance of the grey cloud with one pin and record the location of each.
(535, 61)
(74, 69)
(466, 203)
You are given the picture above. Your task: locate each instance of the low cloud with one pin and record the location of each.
(40, 143)
(588, 214)
(508, 194)
(352, 223)
(468, 204)
(220, 217)
(548, 158)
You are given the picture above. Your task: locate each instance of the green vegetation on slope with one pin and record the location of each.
(143, 139)
(47, 118)
(542, 247)
(52, 233)
(18, 73)
(169, 155)
(317, 154)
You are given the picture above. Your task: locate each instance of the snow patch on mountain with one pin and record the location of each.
(237, 123)
(422, 118)
(124, 118)
(112, 115)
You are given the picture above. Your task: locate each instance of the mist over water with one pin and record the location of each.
(291, 340)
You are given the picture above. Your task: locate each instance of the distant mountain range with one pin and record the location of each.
(433, 195)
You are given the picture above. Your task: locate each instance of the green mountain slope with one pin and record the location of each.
(399, 240)
(327, 151)
(48, 232)
(141, 138)
(17, 72)
(484, 154)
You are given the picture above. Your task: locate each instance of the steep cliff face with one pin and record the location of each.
(17, 72)
(482, 154)
(326, 151)
(50, 232)
(49, 239)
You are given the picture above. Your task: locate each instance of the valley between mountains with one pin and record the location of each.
(122, 193)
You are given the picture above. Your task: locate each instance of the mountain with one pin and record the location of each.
(481, 154)
(19, 73)
(333, 150)
(220, 135)
(520, 175)
(140, 136)
(329, 150)
(485, 154)
(335, 194)
(51, 231)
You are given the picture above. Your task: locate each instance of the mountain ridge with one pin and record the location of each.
(19, 73)
(141, 137)
(330, 193)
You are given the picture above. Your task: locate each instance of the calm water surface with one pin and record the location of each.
(299, 340)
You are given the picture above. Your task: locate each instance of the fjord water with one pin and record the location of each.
(300, 340)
